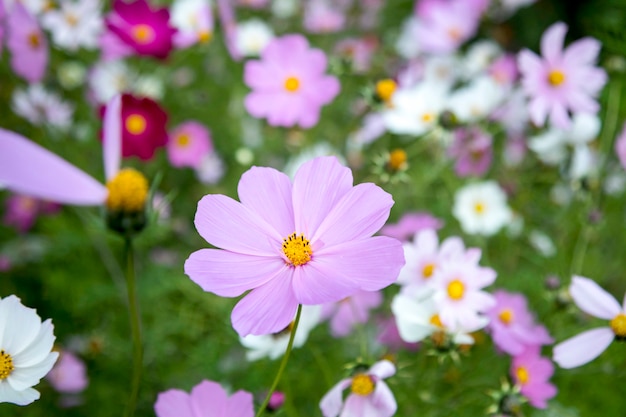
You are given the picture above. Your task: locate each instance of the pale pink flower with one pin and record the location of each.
(69, 375)
(588, 345)
(188, 144)
(532, 372)
(289, 84)
(620, 146)
(561, 81)
(27, 43)
(348, 313)
(320, 16)
(473, 151)
(411, 223)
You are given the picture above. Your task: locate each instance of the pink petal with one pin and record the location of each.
(29, 169)
(230, 274)
(383, 400)
(361, 212)
(112, 144)
(267, 192)
(538, 110)
(332, 402)
(208, 395)
(383, 369)
(559, 116)
(582, 348)
(593, 299)
(318, 283)
(552, 42)
(228, 224)
(259, 75)
(240, 404)
(529, 62)
(582, 52)
(173, 403)
(267, 309)
(317, 187)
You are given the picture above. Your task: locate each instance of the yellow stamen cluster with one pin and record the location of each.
(362, 384)
(385, 89)
(435, 320)
(204, 36)
(428, 117)
(142, 34)
(397, 160)
(297, 249)
(34, 40)
(183, 140)
(135, 124)
(456, 289)
(6, 365)
(128, 191)
(618, 325)
(428, 270)
(292, 84)
(522, 375)
(556, 78)
(479, 207)
(506, 316)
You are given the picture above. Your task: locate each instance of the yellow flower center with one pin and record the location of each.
(385, 89)
(297, 249)
(428, 270)
(618, 325)
(479, 207)
(183, 140)
(506, 316)
(71, 19)
(292, 84)
(128, 191)
(522, 375)
(204, 36)
(435, 320)
(362, 384)
(454, 33)
(135, 124)
(456, 289)
(143, 34)
(397, 160)
(556, 78)
(428, 117)
(34, 40)
(6, 365)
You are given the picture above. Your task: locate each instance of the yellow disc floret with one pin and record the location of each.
(297, 249)
(385, 89)
(428, 270)
(143, 34)
(135, 124)
(456, 289)
(522, 375)
(506, 316)
(618, 325)
(292, 84)
(362, 384)
(128, 191)
(6, 365)
(556, 78)
(397, 160)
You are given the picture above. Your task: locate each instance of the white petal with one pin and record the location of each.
(593, 299)
(582, 348)
(24, 397)
(23, 378)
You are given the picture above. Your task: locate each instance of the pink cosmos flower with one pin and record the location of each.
(306, 242)
(369, 394)
(2, 17)
(22, 211)
(188, 144)
(504, 70)
(69, 374)
(512, 325)
(321, 17)
(472, 148)
(531, 372)
(289, 83)
(206, 398)
(27, 43)
(389, 336)
(561, 80)
(226, 13)
(620, 147)
(345, 314)
(587, 346)
(146, 30)
(411, 223)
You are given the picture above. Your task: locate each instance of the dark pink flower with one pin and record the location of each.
(146, 30)
(143, 127)
(289, 84)
(27, 43)
(532, 372)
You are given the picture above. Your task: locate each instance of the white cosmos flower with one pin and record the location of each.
(415, 110)
(75, 24)
(109, 78)
(39, 106)
(481, 208)
(252, 37)
(477, 100)
(25, 351)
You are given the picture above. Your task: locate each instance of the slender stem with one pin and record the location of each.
(283, 364)
(135, 326)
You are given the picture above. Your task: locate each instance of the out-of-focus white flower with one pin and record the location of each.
(615, 182)
(477, 100)
(415, 110)
(542, 243)
(252, 36)
(211, 169)
(441, 69)
(194, 21)
(109, 78)
(39, 107)
(71, 74)
(284, 9)
(75, 24)
(319, 149)
(405, 45)
(33, 6)
(25, 351)
(273, 346)
(478, 57)
(149, 86)
(481, 208)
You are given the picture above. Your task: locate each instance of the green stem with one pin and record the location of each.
(283, 363)
(135, 326)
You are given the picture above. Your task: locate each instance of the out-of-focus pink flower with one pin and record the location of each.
(277, 399)
(389, 336)
(226, 13)
(504, 69)
(512, 325)
(69, 374)
(473, 151)
(188, 144)
(207, 395)
(595, 301)
(5, 263)
(306, 242)
(561, 81)
(320, 16)
(411, 223)
(253, 4)
(2, 17)
(369, 394)
(146, 30)
(620, 146)
(289, 84)
(532, 372)
(21, 212)
(358, 51)
(112, 47)
(27, 43)
(345, 314)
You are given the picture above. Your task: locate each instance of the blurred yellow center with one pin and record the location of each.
(618, 325)
(522, 375)
(456, 289)
(183, 140)
(397, 159)
(292, 84)
(436, 321)
(6, 365)
(34, 40)
(506, 316)
(428, 117)
(136, 124)
(385, 89)
(428, 270)
(297, 249)
(479, 207)
(362, 384)
(556, 78)
(142, 34)
(454, 33)
(128, 191)
(71, 19)
(204, 36)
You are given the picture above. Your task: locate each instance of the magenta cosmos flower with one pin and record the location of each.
(207, 398)
(307, 242)
(369, 395)
(147, 31)
(531, 373)
(587, 346)
(289, 83)
(561, 81)
(27, 43)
